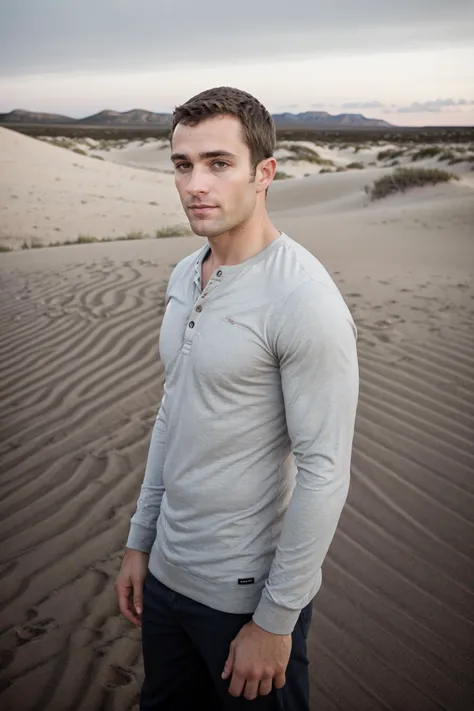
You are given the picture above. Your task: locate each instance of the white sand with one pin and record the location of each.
(53, 194)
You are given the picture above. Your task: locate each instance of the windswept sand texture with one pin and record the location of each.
(393, 624)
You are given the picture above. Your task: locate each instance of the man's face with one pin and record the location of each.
(213, 175)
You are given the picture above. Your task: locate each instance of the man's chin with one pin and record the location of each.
(204, 228)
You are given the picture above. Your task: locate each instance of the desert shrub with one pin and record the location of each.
(325, 170)
(136, 234)
(446, 155)
(310, 155)
(461, 159)
(355, 166)
(5, 248)
(394, 163)
(427, 152)
(390, 154)
(373, 162)
(86, 239)
(81, 151)
(281, 175)
(36, 243)
(341, 169)
(174, 231)
(98, 157)
(403, 178)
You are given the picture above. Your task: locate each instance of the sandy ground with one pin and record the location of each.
(52, 195)
(80, 381)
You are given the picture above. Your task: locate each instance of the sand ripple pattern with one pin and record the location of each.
(80, 382)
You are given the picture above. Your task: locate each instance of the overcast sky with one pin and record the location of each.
(409, 61)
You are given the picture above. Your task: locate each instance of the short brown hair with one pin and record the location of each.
(258, 126)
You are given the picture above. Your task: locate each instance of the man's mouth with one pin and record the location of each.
(201, 209)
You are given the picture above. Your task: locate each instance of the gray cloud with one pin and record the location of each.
(363, 105)
(118, 35)
(436, 106)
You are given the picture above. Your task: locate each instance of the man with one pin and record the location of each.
(248, 467)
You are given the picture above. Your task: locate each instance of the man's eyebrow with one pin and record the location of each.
(204, 156)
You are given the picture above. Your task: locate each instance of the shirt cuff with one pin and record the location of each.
(275, 618)
(141, 538)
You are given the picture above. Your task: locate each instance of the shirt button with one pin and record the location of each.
(219, 273)
(191, 324)
(199, 309)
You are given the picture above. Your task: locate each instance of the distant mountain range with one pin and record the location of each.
(140, 118)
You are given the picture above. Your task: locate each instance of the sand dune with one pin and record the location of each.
(53, 194)
(80, 383)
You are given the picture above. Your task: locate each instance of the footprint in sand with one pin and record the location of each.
(119, 676)
(27, 633)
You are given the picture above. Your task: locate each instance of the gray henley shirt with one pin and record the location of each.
(249, 462)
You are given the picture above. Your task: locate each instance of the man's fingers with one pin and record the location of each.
(229, 663)
(265, 686)
(251, 689)
(138, 597)
(279, 681)
(124, 593)
(237, 684)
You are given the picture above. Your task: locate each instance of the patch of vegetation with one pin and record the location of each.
(5, 248)
(325, 170)
(80, 151)
(446, 155)
(427, 152)
(390, 154)
(310, 155)
(341, 169)
(403, 178)
(281, 175)
(98, 157)
(461, 159)
(355, 166)
(174, 231)
(86, 239)
(393, 163)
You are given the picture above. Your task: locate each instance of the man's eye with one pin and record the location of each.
(182, 166)
(220, 164)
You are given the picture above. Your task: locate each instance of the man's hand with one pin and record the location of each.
(129, 585)
(257, 659)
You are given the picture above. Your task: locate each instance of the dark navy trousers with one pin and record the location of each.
(185, 645)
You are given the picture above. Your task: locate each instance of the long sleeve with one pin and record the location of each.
(315, 344)
(143, 522)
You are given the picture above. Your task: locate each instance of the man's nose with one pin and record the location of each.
(197, 183)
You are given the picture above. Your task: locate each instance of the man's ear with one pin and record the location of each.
(265, 173)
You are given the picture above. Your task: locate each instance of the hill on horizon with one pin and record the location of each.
(142, 117)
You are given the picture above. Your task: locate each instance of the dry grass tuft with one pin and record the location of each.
(404, 178)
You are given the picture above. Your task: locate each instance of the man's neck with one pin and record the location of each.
(236, 247)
